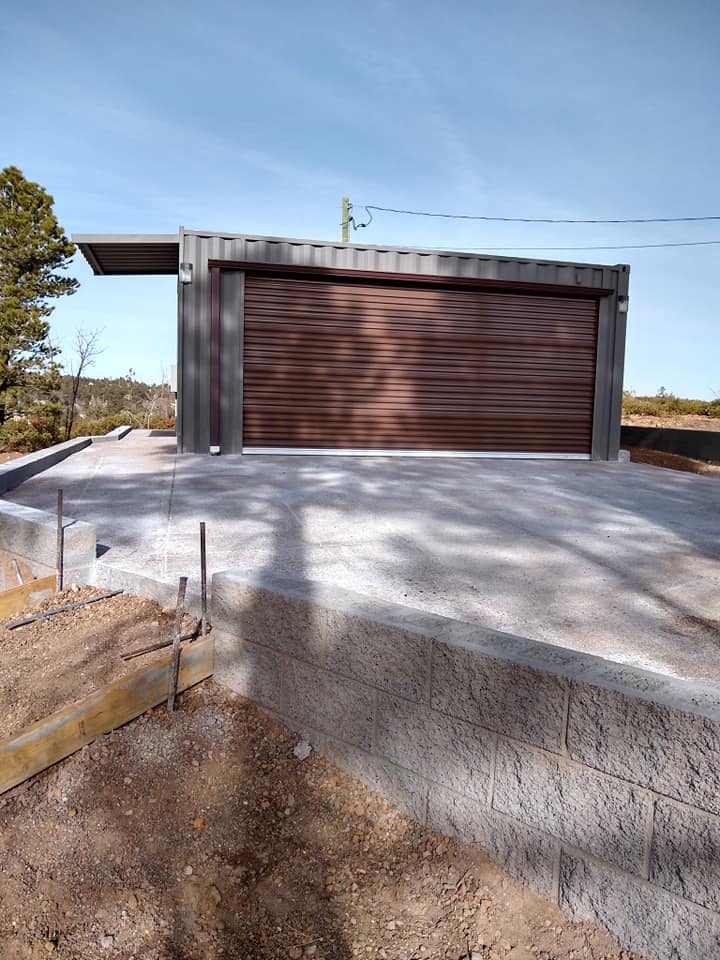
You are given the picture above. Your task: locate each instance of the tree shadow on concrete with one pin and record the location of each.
(437, 520)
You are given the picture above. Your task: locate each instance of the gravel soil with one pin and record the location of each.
(199, 835)
(51, 663)
(684, 421)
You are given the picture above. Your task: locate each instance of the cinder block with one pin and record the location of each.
(381, 654)
(119, 433)
(396, 786)
(647, 742)
(525, 853)
(15, 472)
(331, 628)
(164, 592)
(248, 669)
(643, 918)
(32, 533)
(328, 703)
(257, 613)
(579, 806)
(444, 749)
(685, 857)
(514, 699)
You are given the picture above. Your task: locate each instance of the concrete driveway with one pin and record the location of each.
(620, 560)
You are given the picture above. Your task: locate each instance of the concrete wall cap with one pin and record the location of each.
(688, 696)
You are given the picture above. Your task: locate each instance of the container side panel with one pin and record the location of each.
(231, 360)
(195, 396)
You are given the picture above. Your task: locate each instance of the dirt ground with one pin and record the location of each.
(674, 461)
(199, 836)
(681, 422)
(50, 663)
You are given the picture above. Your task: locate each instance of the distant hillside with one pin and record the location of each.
(39, 416)
(109, 396)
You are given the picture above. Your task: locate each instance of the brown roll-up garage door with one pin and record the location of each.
(383, 366)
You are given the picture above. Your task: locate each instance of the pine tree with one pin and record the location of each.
(33, 251)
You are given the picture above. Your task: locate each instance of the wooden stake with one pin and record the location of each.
(59, 559)
(203, 580)
(49, 740)
(175, 663)
(17, 598)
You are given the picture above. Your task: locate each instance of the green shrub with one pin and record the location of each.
(162, 423)
(84, 427)
(23, 436)
(668, 405)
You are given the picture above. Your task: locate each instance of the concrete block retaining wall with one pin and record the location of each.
(163, 592)
(119, 433)
(15, 472)
(703, 444)
(32, 534)
(595, 784)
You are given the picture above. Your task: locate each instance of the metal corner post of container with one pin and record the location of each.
(214, 360)
(607, 403)
(180, 346)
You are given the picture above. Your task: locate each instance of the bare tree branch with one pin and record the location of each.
(87, 349)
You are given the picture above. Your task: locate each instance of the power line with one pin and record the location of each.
(348, 219)
(623, 246)
(467, 216)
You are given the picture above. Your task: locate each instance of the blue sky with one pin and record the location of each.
(258, 118)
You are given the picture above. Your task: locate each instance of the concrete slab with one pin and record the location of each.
(619, 560)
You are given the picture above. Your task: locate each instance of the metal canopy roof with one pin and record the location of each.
(153, 254)
(130, 254)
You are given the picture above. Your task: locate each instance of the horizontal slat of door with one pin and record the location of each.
(350, 365)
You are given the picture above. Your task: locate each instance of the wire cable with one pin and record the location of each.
(622, 246)
(467, 216)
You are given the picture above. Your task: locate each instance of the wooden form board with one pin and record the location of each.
(17, 598)
(57, 736)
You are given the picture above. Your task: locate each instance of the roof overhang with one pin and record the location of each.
(130, 254)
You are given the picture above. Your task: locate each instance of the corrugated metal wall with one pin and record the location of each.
(392, 260)
(199, 248)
